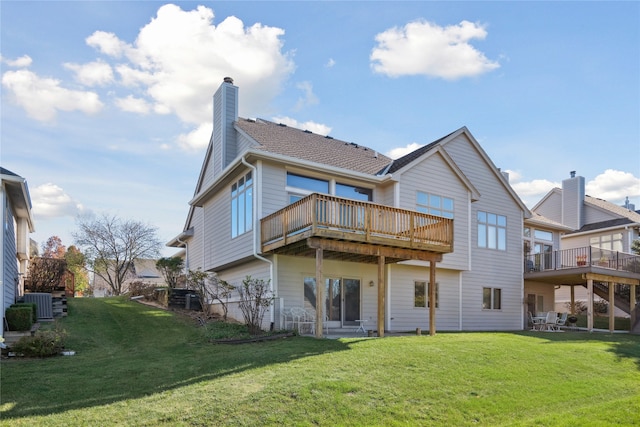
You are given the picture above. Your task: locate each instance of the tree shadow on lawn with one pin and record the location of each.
(69, 385)
(624, 346)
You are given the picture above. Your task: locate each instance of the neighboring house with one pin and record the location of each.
(17, 224)
(585, 246)
(142, 270)
(297, 208)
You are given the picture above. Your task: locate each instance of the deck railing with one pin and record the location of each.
(324, 215)
(583, 257)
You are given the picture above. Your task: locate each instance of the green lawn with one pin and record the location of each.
(136, 365)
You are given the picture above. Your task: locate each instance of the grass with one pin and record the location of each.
(137, 365)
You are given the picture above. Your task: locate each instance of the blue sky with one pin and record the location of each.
(106, 106)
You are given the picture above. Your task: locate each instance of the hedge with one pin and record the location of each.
(29, 304)
(19, 318)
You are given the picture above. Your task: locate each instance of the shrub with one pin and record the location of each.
(138, 287)
(19, 318)
(580, 307)
(601, 306)
(33, 306)
(42, 344)
(255, 298)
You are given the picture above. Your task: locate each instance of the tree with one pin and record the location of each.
(76, 264)
(45, 274)
(255, 298)
(171, 269)
(210, 289)
(635, 246)
(53, 248)
(112, 244)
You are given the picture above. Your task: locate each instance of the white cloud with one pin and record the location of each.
(97, 73)
(614, 186)
(180, 58)
(107, 43)
(312, 126)
(396, 153)
(330, 63)
(424, 48)
(132, 104)
(50, 201)
(197, 139)
(43, 97)
(308, 97)
(22, 62)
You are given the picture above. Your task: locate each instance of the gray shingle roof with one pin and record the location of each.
(613, 208)
(300, 144)
(408, 158)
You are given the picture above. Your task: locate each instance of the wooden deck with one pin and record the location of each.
(367, 225)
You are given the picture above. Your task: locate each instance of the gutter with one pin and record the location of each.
(256, 234)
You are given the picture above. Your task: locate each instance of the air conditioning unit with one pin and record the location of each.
(44, 304)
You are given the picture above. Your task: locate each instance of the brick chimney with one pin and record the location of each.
(573, 201)
(225, 113)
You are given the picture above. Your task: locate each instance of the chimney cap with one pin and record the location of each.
(572, 174)
(228, 80)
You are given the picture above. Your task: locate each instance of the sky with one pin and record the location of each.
(106, 106)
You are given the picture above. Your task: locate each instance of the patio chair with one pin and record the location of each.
(551, 321)
(562, 321)
(536, 323)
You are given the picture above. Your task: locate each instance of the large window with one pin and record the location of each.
(421, 294)
(610, 242)
(434, 204)
(492, 231)
(491, 298)
(242, 205)
(300, 186)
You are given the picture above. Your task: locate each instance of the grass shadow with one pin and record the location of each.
(127, 351)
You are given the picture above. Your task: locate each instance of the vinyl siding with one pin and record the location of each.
(257, 270)
(10, 262)
(593, 215)
(434, 176)
(273, 183)
(551, 207)
(196, 253)
(403, 314)
(489, 267)
(220, 248)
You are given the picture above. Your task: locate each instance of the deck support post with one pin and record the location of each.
(632, 305)
(319, 294)
(432, 298)
(382, 289)
(573, 300)
(612, 306)
(590, 305)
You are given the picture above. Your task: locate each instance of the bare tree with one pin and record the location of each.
(209, 289)
(255, 298)
(111, 245)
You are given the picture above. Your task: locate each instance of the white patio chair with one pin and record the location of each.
(550, 323)
(562, 321)
(536, 323)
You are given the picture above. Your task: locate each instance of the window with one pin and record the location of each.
(434, 204)
(352, 192)
(491, 298)
(492, 231)
(242, 206)
(526, 232)
(421, 294)
(611, 242)
(543, 235)
(300, 186)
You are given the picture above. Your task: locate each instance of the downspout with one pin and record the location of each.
(186, 253)
(256, 235)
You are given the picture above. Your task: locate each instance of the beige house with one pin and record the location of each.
(297, 209)
(580, 249)
(142, 270)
